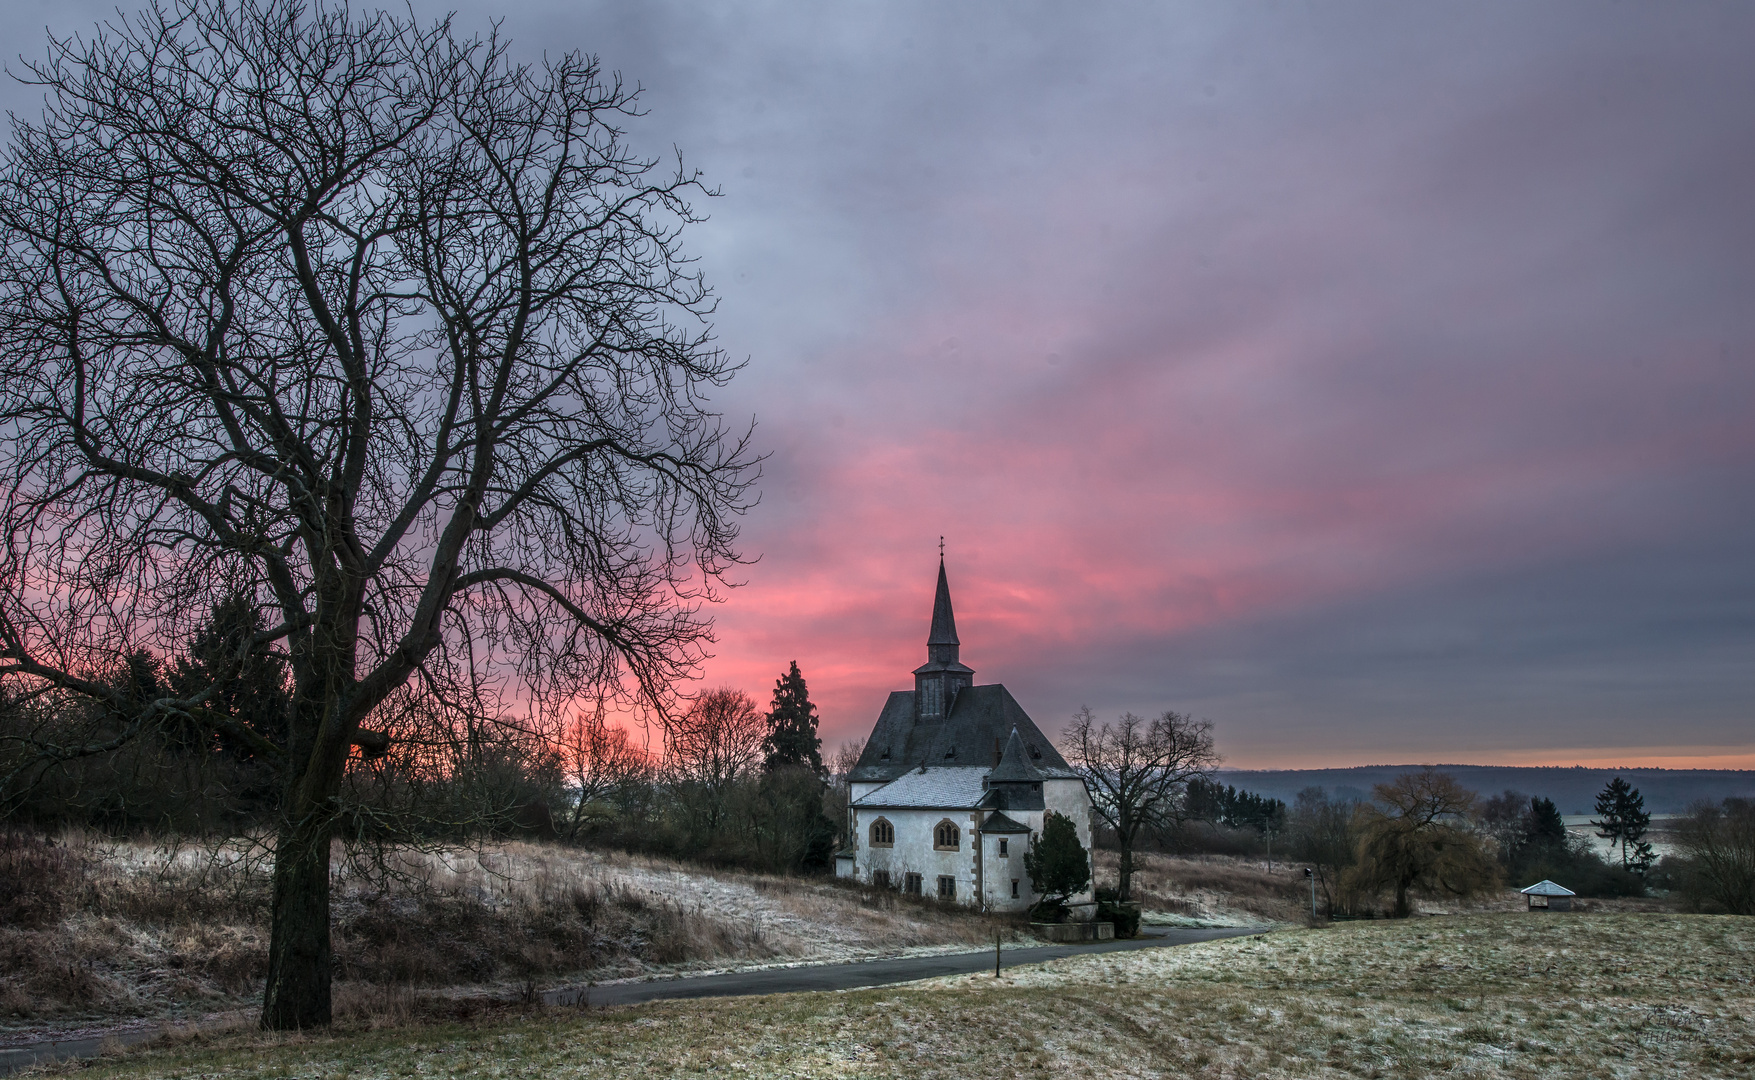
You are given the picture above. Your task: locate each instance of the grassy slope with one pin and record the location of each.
(1479, 996)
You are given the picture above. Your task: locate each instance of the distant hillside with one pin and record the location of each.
(1574, 790)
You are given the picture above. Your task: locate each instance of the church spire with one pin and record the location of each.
(937, 681)
(944, 621)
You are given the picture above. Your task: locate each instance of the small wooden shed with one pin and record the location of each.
(1546, 896)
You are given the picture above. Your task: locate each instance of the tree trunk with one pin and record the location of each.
(1402, 908)
(1122, 891)
(299, 958)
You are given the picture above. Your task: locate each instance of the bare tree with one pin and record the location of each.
(1418, 836)
(601, 760)
(1716, 845)
(846, 756)
(1324, 834)
(712, 746)
(1137, 771)
(360, 320)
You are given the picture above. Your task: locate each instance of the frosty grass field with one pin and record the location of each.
(1478, 996)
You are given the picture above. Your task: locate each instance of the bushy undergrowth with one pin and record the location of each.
(36, 880)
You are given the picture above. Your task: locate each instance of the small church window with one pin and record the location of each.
(947, 887)
(1014, 888)
(946, 837)
(1002, 848)
(911, 884)
(883, 834)
(880, 879)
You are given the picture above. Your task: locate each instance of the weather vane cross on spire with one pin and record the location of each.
(941, 548)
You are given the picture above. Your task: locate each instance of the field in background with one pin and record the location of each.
(1486, 996)
(1230, 890)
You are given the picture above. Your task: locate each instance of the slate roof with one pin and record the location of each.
(999, 823)
(979, 719)
(950, 789)
(1014, 797)
(1545, 887)
(1014, 764)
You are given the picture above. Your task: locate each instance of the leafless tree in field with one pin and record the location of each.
(358, 319)
(1137, 771)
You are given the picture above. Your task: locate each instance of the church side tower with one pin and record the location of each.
(937, 681)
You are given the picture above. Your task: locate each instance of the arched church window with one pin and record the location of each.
(946, 837)
(883, 834)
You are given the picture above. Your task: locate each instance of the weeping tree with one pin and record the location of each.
(355, 318)
(1417, 836)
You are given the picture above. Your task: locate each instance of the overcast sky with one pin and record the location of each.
(1374, 380)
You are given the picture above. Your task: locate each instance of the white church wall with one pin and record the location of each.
(913, 852)
(999, 871)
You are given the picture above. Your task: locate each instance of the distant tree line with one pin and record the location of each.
(1223, 804)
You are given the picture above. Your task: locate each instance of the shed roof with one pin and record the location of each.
(952, 787)
(1545, 887)
(999, 823)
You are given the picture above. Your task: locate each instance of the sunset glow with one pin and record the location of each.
(1378, 386)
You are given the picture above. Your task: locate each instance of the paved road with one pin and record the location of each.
(806, 978)
(791, 980)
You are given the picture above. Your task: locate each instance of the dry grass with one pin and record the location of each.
(1488, 996)
(110, 931)
(1226, 890)
(1220, 890)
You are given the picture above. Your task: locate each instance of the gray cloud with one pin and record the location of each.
(1434, 318)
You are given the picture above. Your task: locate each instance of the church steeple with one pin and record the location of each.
(937, 681)
(941, 642)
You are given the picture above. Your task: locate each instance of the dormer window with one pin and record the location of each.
(951, 753)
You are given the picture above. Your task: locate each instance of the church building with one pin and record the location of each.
(954, 781)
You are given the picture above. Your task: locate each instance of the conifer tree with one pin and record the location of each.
(1622, 820)
(1546, 828)
(792, 726)
(1058, 865)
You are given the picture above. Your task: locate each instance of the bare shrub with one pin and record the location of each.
(1716, 849)
(37, 880)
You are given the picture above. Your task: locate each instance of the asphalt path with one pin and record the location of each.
(805, 978)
